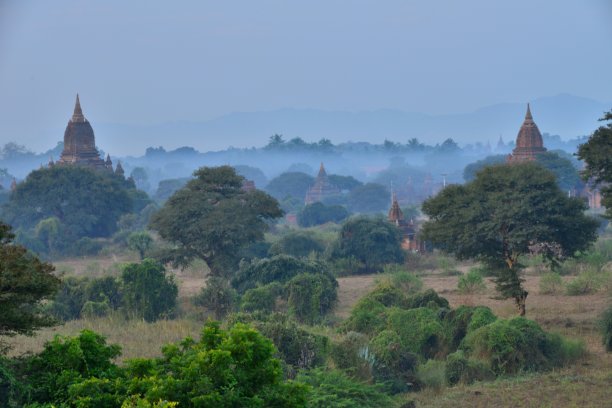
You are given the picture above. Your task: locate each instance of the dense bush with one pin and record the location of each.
(585, 283)
(368, 316)
(351, 353)
(334, 389)
(233, 368)
(148, 293)
(605, 326)
(217, 296)
(460, 369)
(280, 268)
(262, 298)
(515, 345)
(297, 244)
(311, 296)
(432, 374)
(407, 282)
(420, 330)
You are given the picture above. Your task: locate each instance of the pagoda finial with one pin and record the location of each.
(528, 114)
(322, 172)
(77, 116)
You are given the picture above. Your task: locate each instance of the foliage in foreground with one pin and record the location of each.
(25, 283)
(224, 369)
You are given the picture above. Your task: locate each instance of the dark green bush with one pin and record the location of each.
(605, 327)
(298, 244)
(105, 289)
(311, 296)
(428, 298)
(296, 346)
(515, 345)
(280, 268)
(148, 293)
(95, 309)
(217, 296)
(459, 369)
(69, 299)
(66, 361)
(420, 330)
(262, 298)
(85, 247)
(368, 316)
(352, 354)
(471, 282)
(334, 389)
(319, 213)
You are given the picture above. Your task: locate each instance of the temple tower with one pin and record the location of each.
(322, 188)
(79, 142)
(528, 141)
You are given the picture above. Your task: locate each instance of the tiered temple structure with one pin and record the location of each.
(322, 188)
(407, 228)
(528, 142)
(80, 144)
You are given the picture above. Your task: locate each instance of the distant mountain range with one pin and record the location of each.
(565, 115)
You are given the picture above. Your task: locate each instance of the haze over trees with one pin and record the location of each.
(506, 212)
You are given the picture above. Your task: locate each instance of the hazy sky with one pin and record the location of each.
(143, 61)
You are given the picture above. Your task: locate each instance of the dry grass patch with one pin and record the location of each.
(136, 337)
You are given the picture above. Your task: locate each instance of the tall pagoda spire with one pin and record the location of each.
(77, 116)
(528, 114)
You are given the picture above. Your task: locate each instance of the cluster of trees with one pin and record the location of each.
(142, 291)
(62, 210)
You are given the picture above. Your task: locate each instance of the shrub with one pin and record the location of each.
(471, 282)
(460, 369)
(217, 296)
(432, 374)
(407, 282)
(346, 266)
(298, 244)
(65, 361)
(551, 284)
(69, 300)
(95, 309)
(311, 296)
(334, 389)
(296, 346)
(586, 283)
(279, 268)
(262, 298)
(105, 289)
(605, 327)
(147, 292)
(459, 322)
(388, 294)
(352, 354)
(510, 346)
(428, 298)
(368, 316)
(419, 329)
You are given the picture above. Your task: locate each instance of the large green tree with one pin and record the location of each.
(87, 203)
(506, 212)
(290, 184)
(369, 198)
(25, 282)
(597, 153)
(212, 218)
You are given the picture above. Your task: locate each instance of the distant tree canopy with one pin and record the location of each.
(563, 168)
(597, 153)
(72, 201)
(166, 188)
(506, 212)
(293, 184)
(319, 213)
(212, 218)
(298, 244)
(252, 173)
(25, 282)
(369, 198)
(372, 241)
(344, 183)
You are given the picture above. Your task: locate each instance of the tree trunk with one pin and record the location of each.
(520, 302)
